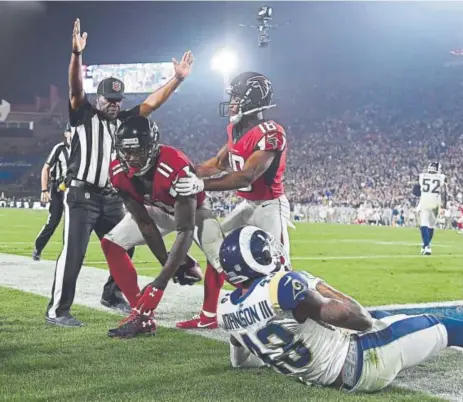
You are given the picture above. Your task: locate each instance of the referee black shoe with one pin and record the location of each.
(36, 255)
(64, 321)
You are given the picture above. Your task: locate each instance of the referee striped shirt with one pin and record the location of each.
(92, 143)
(58, 161)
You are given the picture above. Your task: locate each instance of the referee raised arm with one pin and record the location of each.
(89, 204)
(54, 169)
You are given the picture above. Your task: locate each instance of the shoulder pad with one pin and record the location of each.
(171, 161)
(287, 290)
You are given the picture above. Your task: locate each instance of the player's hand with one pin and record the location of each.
(183, 68)
(188, 273)
(45, 197)
(149, 300)
(78, 41)
(189, 185)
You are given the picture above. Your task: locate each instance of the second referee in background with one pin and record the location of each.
(54, 169)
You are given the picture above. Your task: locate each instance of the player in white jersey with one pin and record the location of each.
(296, 324)
(432, 190)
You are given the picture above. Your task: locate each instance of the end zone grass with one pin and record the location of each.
(41, 362)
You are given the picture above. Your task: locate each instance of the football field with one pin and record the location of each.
(376, 265)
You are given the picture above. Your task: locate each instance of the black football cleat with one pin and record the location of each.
(135, 324)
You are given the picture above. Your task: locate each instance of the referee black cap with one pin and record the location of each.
(111, 88)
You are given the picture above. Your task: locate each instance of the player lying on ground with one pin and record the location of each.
(144, 173)
(255, 158)
(296, 324)
(432, 190)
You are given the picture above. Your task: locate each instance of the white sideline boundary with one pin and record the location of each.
(179, 303)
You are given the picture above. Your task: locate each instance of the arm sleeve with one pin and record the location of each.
(78, 115)
(240, 357)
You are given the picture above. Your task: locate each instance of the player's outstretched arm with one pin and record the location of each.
(157, 98)
(331, 311)
(217, 164)
(185, 209)
(329, 292)
(147, 227)
(76, 87)
(254, 167)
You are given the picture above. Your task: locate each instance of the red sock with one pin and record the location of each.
(122, 269)
(460, 226)
(213, 282)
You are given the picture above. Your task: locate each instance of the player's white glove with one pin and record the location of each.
(189, 185)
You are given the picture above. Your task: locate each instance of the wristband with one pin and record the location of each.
(179, 78)
(76, 53)
(44, 191)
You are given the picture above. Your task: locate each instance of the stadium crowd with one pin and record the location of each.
(346, 146)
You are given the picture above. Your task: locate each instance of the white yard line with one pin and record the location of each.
(445, 244)
(181, 303)
(321, 258)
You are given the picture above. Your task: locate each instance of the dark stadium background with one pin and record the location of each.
(323, 41)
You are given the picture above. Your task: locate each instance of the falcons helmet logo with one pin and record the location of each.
(260, 82)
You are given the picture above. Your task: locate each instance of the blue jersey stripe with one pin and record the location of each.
(397, 330)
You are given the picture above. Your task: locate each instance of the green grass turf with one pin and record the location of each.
(42, 363)
(376, 265)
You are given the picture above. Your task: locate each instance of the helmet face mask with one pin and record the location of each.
(137, 143)
(134, 157)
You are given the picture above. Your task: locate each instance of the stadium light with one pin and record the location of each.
(224, 61)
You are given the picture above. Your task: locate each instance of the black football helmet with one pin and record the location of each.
(137, 143)
(250, 93)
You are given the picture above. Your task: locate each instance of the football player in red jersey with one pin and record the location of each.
(144, 174)
(255, 156)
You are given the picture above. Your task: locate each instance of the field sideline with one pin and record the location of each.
(378, 266)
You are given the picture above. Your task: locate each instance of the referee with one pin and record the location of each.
(54, 168)
(89, 203)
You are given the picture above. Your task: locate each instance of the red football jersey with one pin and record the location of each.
(267, 136)
(156, 187)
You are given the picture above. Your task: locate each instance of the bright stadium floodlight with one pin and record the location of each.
(224, 61)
